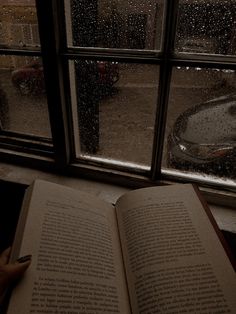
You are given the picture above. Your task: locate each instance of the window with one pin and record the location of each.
(141, 89)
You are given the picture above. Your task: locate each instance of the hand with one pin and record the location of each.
(11, 272)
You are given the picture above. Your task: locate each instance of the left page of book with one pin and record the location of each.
(76, 264)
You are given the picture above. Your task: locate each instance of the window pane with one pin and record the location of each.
(200, 132)
(207, 27)
(23, 98)
(115, 109)
(114, 23)
(18, 24)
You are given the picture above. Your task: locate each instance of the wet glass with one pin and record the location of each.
(200, 131)
(114, 105)
(23, 102)
(206, 27)
(115, 24)
(18, 24)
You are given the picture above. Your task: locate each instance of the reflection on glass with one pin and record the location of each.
(207, 27)
(18, 24)
(22, 95)
(200, 132)
(115, 108)
(115, 23)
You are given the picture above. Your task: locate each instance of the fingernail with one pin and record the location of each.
(24, 259)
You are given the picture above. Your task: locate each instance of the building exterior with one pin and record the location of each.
(18, 28)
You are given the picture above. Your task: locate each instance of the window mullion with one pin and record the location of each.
(50, 36)
(171, 10)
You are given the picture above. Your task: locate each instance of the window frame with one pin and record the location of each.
(59, 155)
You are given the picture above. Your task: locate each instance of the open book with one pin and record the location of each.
(156, 251)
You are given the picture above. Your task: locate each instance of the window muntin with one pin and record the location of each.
(115, 24)
(206, 27)
(115, 106)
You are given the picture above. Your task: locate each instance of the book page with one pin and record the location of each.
(174, 260)
(76, 256)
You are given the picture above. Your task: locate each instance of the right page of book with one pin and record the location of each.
(175, 262)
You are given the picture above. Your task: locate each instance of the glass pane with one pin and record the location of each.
(207, 27)
(201, 122)
(18, 24)
(115, 109)
(23, 98)
(114, 23)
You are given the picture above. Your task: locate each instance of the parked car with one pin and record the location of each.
(203, 138)
(29, 79)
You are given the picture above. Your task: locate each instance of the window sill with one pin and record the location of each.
(225, 216)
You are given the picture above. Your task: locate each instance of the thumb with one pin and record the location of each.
(16, 270)
(12, 272)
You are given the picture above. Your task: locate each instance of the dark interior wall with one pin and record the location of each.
(11, 195)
